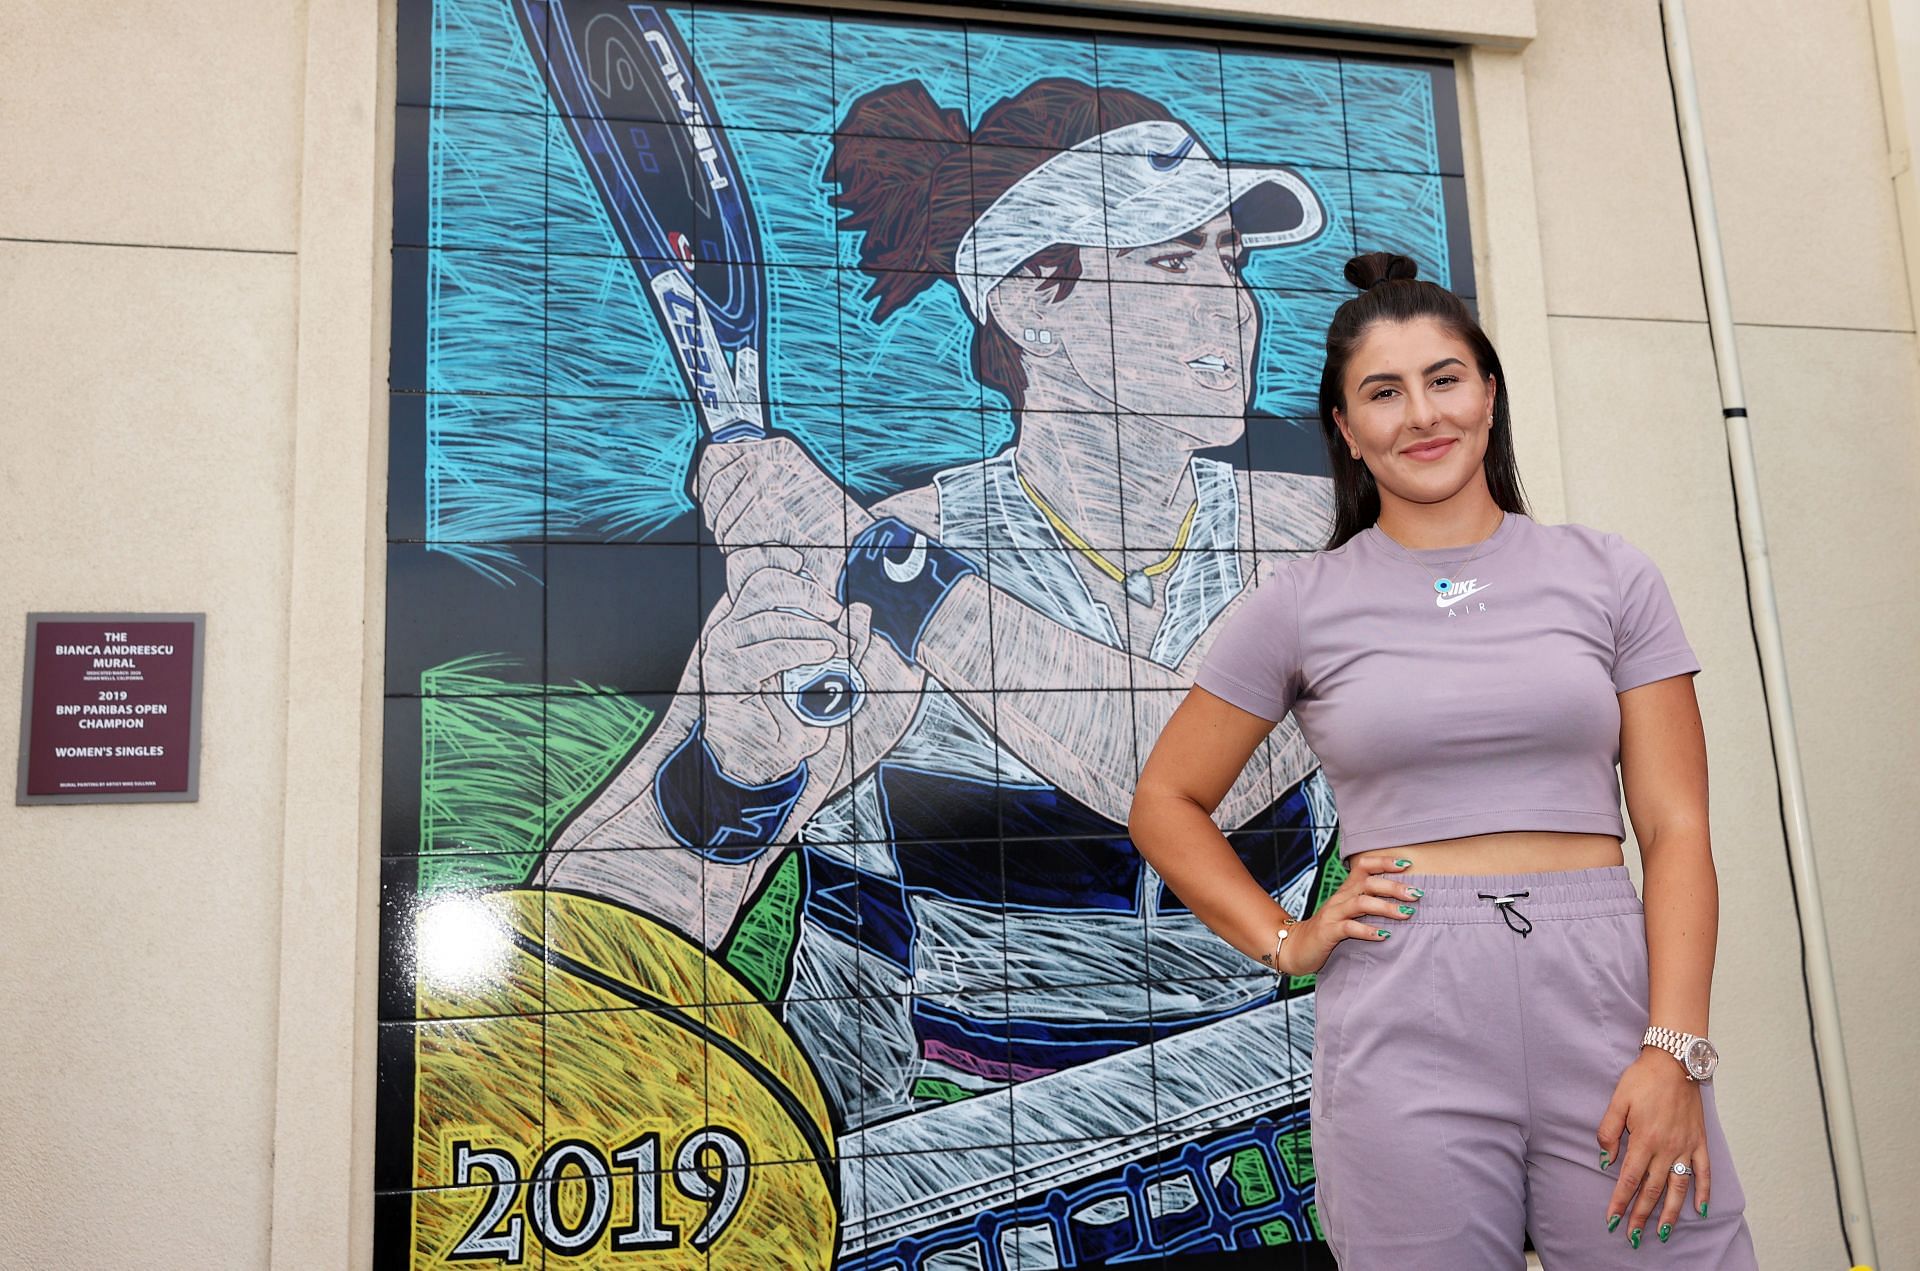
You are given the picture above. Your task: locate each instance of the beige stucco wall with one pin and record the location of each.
(192, 335)
(148, 225)
(1825, 335)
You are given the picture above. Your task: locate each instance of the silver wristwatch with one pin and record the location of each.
(1697, 1055)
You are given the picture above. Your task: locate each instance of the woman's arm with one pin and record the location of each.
(1663, 768)
(1200, 754)
(731, 773)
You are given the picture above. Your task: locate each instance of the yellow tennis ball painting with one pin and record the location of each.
(655, 1115)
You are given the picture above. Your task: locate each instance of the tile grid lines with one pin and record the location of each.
(1346, 137)
(546, 531)
(1151, 884)
(1252, 511)
(972, 121)
(957, 838)
(1078, 566)
(484, 1011)
(426, 281)
(825, 261)
(1144, 899)
(391, 1135)
(702, 559)
(839, 1116)
(711, 943)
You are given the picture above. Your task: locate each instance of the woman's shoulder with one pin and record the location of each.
(1571, 532)
(1572, 536)
(1612, 560)
(1293, 575)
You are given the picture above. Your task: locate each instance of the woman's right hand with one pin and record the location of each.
(775, 617)
(756, 493)
(1371, 892)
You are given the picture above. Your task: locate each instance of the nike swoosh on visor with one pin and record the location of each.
(1168, 161)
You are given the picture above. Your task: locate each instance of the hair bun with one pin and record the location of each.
(1370, 269)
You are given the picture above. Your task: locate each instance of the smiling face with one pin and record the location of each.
(1418, 410)
(1163, 330)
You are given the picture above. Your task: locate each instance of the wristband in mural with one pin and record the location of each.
(902, 576)
(708, 811)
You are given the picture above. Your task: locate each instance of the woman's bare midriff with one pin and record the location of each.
(1512, 852)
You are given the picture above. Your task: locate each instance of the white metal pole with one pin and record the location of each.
(1836, 1089)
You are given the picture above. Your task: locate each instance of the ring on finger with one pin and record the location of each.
(1682, 1168)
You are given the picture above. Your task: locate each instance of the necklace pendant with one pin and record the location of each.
(1443, 585)
(1139, 588)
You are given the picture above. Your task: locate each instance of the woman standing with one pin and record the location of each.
(1507, 1043)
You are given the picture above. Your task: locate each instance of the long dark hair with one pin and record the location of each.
(1392, 291)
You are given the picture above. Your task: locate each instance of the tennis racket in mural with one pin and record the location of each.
(609, 73)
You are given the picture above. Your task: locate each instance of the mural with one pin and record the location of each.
(822, 448)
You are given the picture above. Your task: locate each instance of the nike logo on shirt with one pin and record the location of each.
(1460, 592)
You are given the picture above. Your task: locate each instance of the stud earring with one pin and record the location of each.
(1028, 335)
(1046, 336)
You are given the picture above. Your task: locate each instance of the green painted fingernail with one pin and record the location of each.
(1384, 934)
(1703, 1209)
(1666, 1229)
(1613, 1220)
(1408, 910)
(1633, 1237)
(1417, 893)
(1605, 1157)
(1403, 862)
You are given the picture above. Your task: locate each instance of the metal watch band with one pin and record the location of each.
(1682, 1047)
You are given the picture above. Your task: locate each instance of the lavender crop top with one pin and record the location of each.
(1433, 719)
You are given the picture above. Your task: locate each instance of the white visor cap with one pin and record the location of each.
(1134, 186)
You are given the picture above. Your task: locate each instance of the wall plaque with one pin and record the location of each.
(110, 708)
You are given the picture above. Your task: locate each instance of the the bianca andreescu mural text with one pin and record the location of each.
(824, 445)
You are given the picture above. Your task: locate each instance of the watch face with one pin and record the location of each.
(1701, 1059)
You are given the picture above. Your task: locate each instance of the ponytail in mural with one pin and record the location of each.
(1392, 291)
(913, 180)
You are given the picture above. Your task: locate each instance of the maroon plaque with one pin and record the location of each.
(111, 708)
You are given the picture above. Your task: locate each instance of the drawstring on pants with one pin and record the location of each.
(1513, 916)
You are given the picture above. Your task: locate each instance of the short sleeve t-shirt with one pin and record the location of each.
(1493, 706)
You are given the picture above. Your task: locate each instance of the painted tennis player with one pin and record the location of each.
(1022, 625)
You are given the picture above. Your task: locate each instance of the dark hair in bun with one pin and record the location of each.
(1369, 271)
(1391, 290)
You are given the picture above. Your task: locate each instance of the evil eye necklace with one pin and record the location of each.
(1445, 583)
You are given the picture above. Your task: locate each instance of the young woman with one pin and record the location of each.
(1506, 1043)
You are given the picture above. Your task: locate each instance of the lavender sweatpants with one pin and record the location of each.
(1460, 1073)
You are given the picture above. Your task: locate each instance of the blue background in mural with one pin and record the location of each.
(535, 320)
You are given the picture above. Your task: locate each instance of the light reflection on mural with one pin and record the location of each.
(823, 447)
